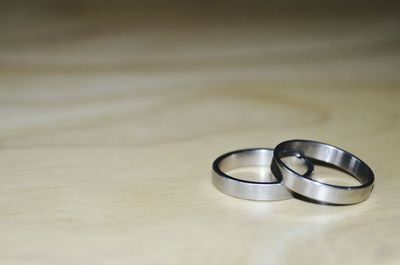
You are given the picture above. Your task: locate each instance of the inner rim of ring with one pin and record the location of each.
(246, 158)
(260, 157)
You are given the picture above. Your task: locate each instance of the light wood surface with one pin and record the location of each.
(110, 123)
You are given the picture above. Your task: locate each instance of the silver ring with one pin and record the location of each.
(323, 192)
(250, 190)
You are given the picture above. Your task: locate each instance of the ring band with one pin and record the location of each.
(250, 190)
(332, 155)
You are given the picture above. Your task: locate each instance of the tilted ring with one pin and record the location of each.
(245, 189)
(332, 155)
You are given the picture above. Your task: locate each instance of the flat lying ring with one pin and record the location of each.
(323, 192)
(250, 190)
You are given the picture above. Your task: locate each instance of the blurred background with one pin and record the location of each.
(100, 60)
(290, 40)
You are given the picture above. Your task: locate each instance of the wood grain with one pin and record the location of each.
(110, 123)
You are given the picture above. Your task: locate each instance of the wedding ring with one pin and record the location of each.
(245, 189)
(323, 192)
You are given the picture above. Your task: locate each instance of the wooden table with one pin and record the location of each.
(110, 123)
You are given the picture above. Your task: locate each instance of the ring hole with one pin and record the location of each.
(329, 174)
(253, 173)
(296, 164)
